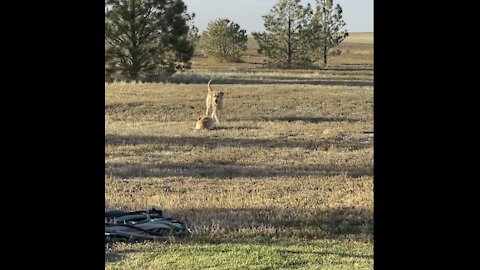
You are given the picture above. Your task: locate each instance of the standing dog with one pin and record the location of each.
(214, 103)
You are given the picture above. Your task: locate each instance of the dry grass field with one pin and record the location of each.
(284, 182)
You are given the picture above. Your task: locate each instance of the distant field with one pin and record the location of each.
(356, 37)
(360, 37)
(357, 50)
(285, 182)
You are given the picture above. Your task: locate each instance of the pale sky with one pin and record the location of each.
(357, 14)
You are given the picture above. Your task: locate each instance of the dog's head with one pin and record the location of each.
(217, 97)
(201, 122)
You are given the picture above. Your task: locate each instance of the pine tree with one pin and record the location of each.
(326, 30)
(146, 39)
(225, 40)
(286, 40)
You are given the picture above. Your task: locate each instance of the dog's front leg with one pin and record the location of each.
(218, 114)
(215, 114)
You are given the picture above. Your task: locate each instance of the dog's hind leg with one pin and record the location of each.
(207, 113)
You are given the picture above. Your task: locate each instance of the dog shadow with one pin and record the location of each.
(234, 128)
(310, 119)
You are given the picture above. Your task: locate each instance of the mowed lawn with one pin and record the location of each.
(284, 182)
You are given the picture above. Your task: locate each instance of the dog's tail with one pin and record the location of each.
(209, 88)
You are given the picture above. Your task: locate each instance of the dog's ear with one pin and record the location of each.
(221, 93)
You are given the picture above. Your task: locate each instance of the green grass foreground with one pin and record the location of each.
(320, 254)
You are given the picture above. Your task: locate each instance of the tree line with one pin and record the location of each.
(146, 40)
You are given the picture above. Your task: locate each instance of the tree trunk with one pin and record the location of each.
(135, 69)
(134, 73)
(289, 44)
(325, 55)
